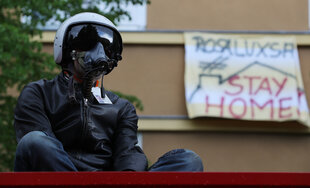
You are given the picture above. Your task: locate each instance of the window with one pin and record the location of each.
(137, 22)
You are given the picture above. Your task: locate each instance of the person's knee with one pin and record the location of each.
(32, 141)
(184, 160)
(190, 160)
(36, 151)
(193, 160)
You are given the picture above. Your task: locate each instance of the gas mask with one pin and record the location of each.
(91, 65)
(95, 51)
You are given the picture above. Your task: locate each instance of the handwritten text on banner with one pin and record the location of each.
(244, 77)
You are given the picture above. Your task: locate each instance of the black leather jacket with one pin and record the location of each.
(97, 137)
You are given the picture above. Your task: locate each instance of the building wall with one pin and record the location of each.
(236, 151)
(289, 15)
(256, 146)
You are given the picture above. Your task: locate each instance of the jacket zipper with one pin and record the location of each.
(85, 119)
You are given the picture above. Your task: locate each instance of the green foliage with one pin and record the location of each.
(133, 99)
(22, 59)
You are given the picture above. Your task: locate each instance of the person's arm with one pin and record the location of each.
(30, 113)
(127, 155)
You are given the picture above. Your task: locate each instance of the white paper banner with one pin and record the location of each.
(244, 77)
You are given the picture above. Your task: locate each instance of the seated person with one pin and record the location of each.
(66, 124)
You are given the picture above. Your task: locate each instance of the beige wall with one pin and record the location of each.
(222, 150)
(245, 15)
(155, 75)
(236, 152)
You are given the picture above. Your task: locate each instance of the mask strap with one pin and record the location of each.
(69, 76)
(72, 98)
(78, 56)
(102, 89)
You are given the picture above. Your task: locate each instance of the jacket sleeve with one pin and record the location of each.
(127, 155)
(30, 114)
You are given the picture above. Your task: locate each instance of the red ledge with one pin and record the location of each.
(155, 179)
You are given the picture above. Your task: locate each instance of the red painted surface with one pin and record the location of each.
(153, 179)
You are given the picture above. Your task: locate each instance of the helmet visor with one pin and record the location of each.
(84, 37)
